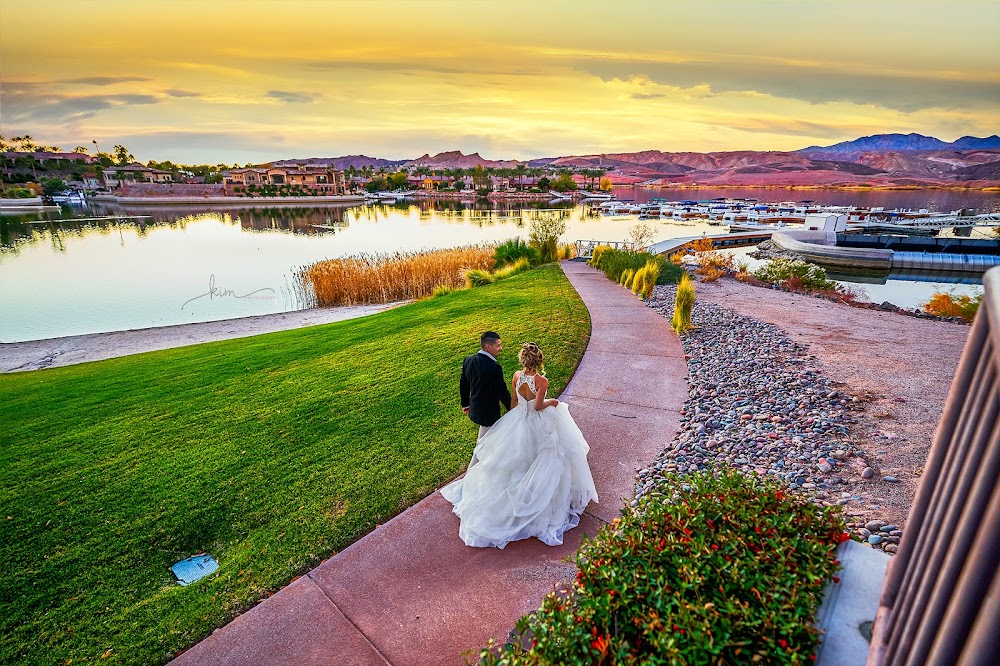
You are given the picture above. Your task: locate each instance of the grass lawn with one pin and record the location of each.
(271, 453)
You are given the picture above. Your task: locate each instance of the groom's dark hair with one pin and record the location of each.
(488, 338)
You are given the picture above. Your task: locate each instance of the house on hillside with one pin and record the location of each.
(322, 180)
(44, 156)
(116, 176)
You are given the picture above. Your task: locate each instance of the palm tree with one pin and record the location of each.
(520, 171)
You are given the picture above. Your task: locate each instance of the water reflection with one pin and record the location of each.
(105, 268)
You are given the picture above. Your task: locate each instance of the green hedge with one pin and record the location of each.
(724, 569)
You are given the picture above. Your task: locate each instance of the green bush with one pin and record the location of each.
(510, 251)
(616, 262)
(478, 278)
(795, 273)
(727, 569)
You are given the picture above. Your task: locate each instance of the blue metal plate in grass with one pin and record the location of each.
(194, 568)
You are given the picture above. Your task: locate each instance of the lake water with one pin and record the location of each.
(71, 273)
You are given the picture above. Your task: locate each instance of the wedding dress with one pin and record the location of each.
(528, 477)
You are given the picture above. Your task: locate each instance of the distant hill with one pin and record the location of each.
(901, 143)
(881, 160)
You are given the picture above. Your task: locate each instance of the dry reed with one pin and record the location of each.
(385, 278)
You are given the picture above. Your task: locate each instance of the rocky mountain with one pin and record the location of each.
(899, 143)
(454, 159)
(883, 160)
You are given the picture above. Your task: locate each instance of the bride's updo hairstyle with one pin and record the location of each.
(530, 357)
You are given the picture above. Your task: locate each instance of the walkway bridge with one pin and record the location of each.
(585, 248)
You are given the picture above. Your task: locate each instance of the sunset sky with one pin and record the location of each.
(254, 81)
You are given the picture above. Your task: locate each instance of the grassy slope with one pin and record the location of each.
(270, 453)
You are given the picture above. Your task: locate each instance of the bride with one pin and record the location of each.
(529, 475)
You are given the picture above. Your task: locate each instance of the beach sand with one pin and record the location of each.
(54, 352)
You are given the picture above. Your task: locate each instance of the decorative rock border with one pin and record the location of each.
(758, 402)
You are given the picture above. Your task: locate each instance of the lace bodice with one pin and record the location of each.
(526, 380)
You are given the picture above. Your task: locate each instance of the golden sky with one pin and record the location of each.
(252, 81)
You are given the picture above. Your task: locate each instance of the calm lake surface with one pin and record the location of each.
(71, 272)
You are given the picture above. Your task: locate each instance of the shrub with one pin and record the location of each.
(728, 569)
(645, 279)
(625, 279)
(544, 235)
(677, 257)
(950, 305)
(809, 276)
(518, 266)
(510, 251)
(479, 277)
(683, 304)
(709, 273)
(701, 245)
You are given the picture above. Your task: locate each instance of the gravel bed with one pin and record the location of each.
(758, 402)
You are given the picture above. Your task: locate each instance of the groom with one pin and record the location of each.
(483, 386)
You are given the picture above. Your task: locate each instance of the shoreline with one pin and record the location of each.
(73, 349)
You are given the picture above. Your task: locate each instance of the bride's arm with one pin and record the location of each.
(542, 385)
(513, 390)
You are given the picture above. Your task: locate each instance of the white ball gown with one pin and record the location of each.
(528, 477)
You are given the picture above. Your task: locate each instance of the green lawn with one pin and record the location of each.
(271, 453)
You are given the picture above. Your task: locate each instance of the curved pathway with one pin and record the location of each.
(411, 592)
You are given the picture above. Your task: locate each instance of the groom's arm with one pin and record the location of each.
(502, 389)
(464, 387)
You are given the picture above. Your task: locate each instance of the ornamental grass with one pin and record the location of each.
(720, 569)
(645, 279)
(386, 278)
(683, 304)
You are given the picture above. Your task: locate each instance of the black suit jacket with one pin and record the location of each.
(483, 389)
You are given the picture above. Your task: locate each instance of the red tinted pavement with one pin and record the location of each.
(410, 592)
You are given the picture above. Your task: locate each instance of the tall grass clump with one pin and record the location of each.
(645, 279)
(385, 278)
(512, 250)
(479, 277)
(683, 304)
(616, 262)
(625, 279)
(950, 305)
(512, 269)
(598, 254)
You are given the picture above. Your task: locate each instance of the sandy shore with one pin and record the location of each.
(54, 352)
(900, 368)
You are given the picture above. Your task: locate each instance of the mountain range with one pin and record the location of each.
(881, 160)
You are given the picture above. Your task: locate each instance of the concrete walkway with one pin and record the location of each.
(411, 592)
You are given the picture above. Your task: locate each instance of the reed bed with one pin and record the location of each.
(386, 278)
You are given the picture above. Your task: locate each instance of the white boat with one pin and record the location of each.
(597, 196)
(560, 195)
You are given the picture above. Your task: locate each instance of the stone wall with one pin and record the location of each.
(170, 190)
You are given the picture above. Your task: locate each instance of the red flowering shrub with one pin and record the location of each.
(729, 570)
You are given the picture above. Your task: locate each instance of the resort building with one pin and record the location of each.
(317, 179)
(116, 176)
